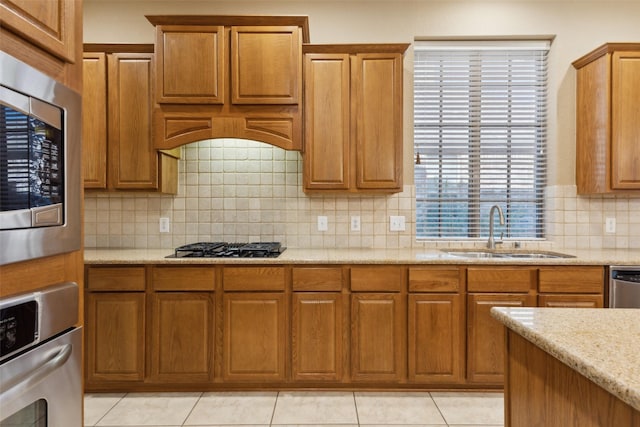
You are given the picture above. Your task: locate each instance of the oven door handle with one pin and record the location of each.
(29, 379)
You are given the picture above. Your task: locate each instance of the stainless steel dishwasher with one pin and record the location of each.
(624, 287)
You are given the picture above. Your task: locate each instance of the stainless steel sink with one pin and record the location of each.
(518, 254)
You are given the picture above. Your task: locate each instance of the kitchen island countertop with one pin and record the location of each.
(362, 256)
(600, 344)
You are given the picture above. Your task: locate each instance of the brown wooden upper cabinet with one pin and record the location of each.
(48, 24)
(117, 137)
(353, 118)
(229, 76)
(608, 112)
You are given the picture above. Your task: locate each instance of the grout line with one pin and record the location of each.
(192, 408)
(438, 408)
(355, 404)
(275, 404)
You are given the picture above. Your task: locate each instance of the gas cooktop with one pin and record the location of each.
(229, 250)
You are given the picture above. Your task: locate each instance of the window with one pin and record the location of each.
(480, 137)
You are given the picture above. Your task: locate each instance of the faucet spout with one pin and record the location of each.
(491, 243)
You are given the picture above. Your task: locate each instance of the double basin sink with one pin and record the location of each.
(505, 254)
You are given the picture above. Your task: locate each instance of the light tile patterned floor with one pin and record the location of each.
(291, 409)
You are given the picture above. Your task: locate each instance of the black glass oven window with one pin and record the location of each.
(18, 327)
(31, 163)
(33, 415)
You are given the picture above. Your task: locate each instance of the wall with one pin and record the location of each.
(579, 27)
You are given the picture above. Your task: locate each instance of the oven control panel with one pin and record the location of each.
(18, 327)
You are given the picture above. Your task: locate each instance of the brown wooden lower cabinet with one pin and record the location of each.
(115, 336)
(485, 335)
(316, 336)
(254, 336)
(540, 390)
(436, 339)
(214, 326)
(377, 337)
(182, 337)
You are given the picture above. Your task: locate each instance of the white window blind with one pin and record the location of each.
(480, 137)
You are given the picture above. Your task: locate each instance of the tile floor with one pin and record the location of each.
(289, 409)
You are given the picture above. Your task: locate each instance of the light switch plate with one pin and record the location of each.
(164, 225)
(323, 224)
(610, 225)
(396, 223)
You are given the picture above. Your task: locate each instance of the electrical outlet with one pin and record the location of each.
(610, 225)
(323, 224)
(164, 225)
(396, 223)
(355, 223)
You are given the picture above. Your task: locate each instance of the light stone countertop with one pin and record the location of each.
(601, 344)
(361, 256)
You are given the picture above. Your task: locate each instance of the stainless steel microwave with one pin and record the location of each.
(40, 170)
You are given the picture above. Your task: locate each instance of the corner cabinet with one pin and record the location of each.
(229, 76)
(353, 118)
(608, 113)
(118, 151)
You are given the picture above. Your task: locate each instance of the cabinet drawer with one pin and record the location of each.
(587, 280)
(499, 279)
(183, 279)
(115, 278)
(572, 301)
(262, 278)
(317, 279)
(376, 279)
(434, 279)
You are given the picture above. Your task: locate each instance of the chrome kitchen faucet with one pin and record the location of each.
(491, 243)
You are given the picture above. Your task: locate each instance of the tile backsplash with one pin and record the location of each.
(239, 190)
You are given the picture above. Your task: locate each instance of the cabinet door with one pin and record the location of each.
(254, 340)
(327, 115)
(436, 338)
(182, 337)
(190, 64)
(625, 116)
(48, 24)
(133, 161)
(115, 336)
(316, 336)
(486, 336)
(266, 65)
(377, 337)
(377, 90)
(94, 120)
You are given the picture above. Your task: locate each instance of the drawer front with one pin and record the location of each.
(317, 279)
(501, 279)
(184, 279)
(262, 278)
(376, 279)
(567, 280)
(434, 279)
(116, 278)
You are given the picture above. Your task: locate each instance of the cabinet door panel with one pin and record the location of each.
(94, 120)
(327, 121)
(377, 83)
(436, 340)
(317, 336)
(182, 337)
(48, 24)
(190, 64)
(377, 328)
(115, 327)
(133, 161)
(266, 65)
(254, 337)
(486, 336)
(625, 116)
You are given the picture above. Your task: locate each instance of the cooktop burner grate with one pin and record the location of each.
(229, 250)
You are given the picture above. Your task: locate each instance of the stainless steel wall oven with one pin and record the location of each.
(40, 359)
(40, 170)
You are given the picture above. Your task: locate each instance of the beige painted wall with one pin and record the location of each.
(579, 26)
